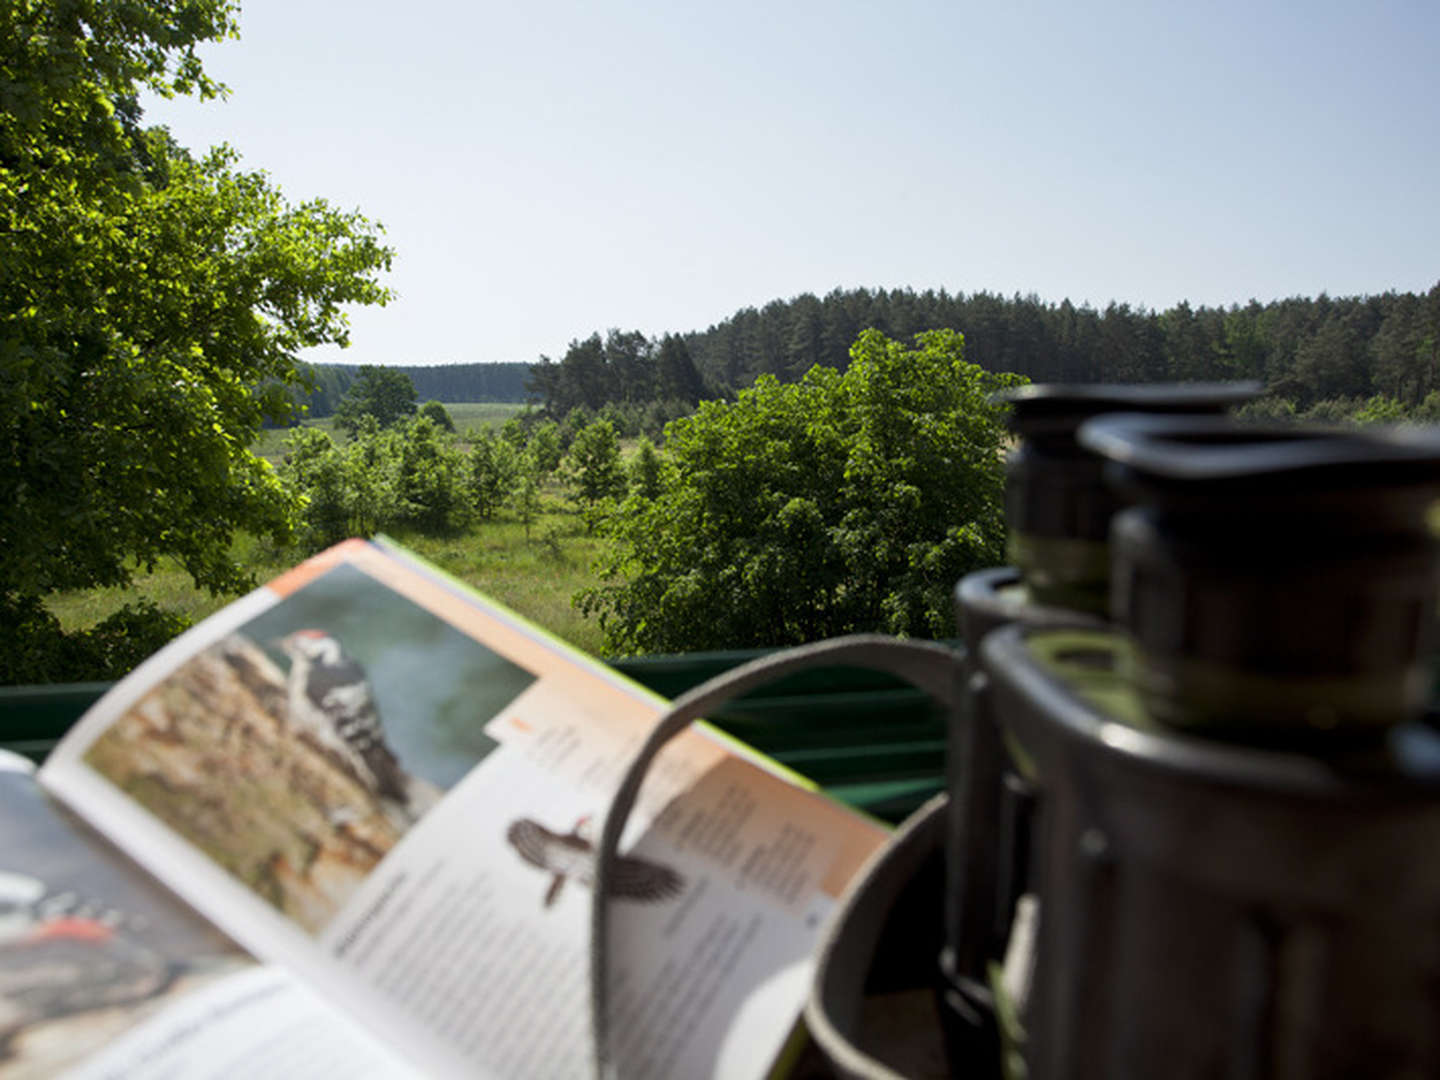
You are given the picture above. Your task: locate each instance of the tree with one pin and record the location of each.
(583, 377)
(431, 477)
(494, 469)
(316, 467)
(353, 490)
(842, 503)
(438, 416)
(513, 431)
(1330, 362)
(151, 304)
(630, 367)
(677, 377)
(645, 470)
(595, 464)
(576, 420)
(1380, 409)
(544, 446)
(384, 393)
(526, 496)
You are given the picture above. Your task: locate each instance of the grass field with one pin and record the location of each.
(168, 586)
(467, 416)
(535, 575)
(471, 415)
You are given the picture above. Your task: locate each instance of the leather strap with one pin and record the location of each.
(928, 666)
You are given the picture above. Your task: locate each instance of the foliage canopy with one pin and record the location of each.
(413, 475)
(151, 303)
(594, 459)
(384, 393)
(842, 503)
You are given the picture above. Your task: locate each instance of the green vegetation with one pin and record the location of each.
(1307, 351)
(153, 303)
(472, 416)
(439, 415)
(846, 501)
(595, 470)
(838, 504)
(167, 586)
(535, 576)
(1376, 409)
(151, 306)
(501, 384)
(645, 470)
(494, 470)
(383, 394)
(642, 383)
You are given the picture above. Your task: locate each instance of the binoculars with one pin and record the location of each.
(1193, 825)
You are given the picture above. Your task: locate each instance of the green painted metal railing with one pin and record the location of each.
(868, 739)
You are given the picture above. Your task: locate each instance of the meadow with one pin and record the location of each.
(534, 574)
(467, 416)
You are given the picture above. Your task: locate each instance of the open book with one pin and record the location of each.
(344, 828)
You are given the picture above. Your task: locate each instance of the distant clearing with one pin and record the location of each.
(478, 414)
(467, 416)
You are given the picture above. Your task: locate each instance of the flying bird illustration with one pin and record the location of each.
(331, 700)
(572, 855)
(61, 955)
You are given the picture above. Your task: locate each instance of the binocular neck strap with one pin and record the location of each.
(928, 666)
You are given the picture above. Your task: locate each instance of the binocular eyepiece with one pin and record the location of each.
(1193, 740)
(1277, 582)
(1058, 505)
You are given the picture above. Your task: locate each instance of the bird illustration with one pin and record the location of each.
(572, 855)
(331, 700)
(61, 955)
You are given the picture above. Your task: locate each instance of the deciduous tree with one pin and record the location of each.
(431, 477)
(151, 303)
(438, 415)
(494, 469)
(645, 470)
(594, 462)
(842, 503)
(384, 393)
(526, 496)
(544, 446)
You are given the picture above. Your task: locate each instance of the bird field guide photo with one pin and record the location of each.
(89, 946)
(572, 855)
(295, 756)
(390, 792)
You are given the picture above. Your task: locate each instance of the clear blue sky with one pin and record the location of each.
(550, 168)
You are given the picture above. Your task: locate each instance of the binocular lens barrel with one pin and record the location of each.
(1057, 503)
(1231, 801)
(1278, 582)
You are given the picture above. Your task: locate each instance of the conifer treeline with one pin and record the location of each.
(622, 368)
(1305, 350)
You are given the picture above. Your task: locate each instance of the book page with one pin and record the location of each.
(375, 776)
(103, 973)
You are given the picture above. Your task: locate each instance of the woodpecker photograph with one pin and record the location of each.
(88, 945)
(335, 720)
(330, 699)
(571, 856)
